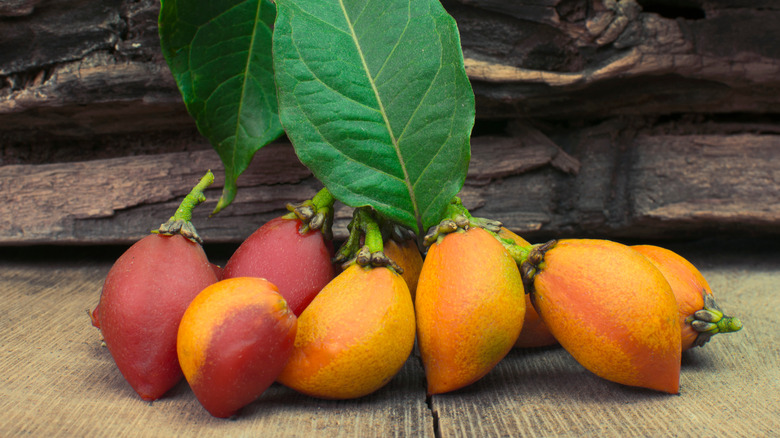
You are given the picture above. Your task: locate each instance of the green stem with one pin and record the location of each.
(456, 217)
(365, 226)
(518, 253)
(180, 223)
(373, 233)
(195, 197)
(323, 199)
(729, 324)
(710, 321)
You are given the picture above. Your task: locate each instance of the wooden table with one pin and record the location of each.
(57, 380)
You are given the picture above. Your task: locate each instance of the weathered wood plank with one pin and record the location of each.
(740, 185)
(119, 200)
(644, 184)
(57, 381)
(95, 67)
(613, 181)
(71, 202)
(728, 388)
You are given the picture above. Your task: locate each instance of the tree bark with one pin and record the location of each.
(624, 119)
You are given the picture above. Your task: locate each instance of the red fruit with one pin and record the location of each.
(298, 264)
(234, 339)
(217, 270)
(95, 316)
(144, 297)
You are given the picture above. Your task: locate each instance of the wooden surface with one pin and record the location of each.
(56, 380)
(609, 180)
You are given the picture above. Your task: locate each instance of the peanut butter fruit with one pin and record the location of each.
(233, 340)
(611, 309)
(354, 336)
(408, 257)
(700, 316)
(534, 333)
(470, 307)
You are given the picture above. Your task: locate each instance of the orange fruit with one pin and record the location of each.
(691, 290)
(408, 257)
(233, 341)
(353, 337)
(470, 306)
(535, 332)
(609, 307)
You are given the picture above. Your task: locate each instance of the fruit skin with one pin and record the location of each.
(233, 341)
(143, 299)
(609, 307)
(299, 265)
(470, 307)
(354, 336)
(689, 287)
(408, 257)
(535, 332)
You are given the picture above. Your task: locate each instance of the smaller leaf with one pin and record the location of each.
(220, 55)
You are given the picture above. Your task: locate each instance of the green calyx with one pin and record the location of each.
(457, 219)
(710, 321)
(365, 244)
(315, 213)
(180, 223)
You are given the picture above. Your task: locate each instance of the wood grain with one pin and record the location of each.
(95, 67)
(117, 201)
(609, 180)
(58, 381)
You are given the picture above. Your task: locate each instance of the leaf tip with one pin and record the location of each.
(228, 194)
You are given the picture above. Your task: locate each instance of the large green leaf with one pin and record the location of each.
(375, 98)
(220, 55)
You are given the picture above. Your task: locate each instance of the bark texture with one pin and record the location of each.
(624, 119)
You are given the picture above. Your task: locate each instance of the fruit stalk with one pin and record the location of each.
(710, 321)
(457, 217)
(315, 213)
(180, 223)
(365, 227)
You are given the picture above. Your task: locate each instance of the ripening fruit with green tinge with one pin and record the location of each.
(700, 317)
(470, 306)
(611, 309)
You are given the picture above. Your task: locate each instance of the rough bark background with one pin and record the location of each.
(621, 119)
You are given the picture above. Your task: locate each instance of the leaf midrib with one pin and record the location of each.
(393, 139)
(244, 84)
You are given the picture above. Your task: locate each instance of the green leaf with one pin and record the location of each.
(220, 55)
(375, 98)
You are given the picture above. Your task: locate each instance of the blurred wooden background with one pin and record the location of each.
(621, 119)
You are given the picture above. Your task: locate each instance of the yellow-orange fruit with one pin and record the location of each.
(535, 332)
(353, 337)
(470, 306)
(687, 283)
(609, 307)
(690, 288)
(408, 257)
